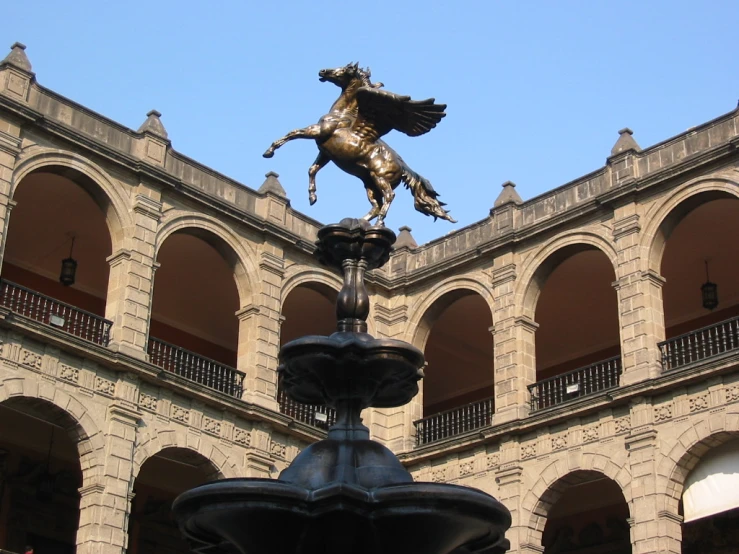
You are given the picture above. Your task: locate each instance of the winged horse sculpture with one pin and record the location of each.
(349, 135)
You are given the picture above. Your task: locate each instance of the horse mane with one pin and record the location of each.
(364, 76)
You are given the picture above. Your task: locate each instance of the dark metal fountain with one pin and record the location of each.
(347, 493)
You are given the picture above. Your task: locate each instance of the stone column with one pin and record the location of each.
(652, 529)
(131, 281)
(639, 290)
(105, 502)
(259, 331)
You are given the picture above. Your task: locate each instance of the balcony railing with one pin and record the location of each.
(47, 310)
(700, 344)
(317, 416)
(575, 384)
(456, 421)
(195, 367)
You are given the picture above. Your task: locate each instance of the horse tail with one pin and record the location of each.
(424, 195)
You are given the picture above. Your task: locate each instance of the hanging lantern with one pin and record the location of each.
(69, 268)
(709, 292)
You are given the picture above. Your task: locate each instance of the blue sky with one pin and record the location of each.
(536, 90)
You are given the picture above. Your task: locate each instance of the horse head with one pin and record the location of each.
(343, 76)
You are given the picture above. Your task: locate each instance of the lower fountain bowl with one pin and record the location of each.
(265, 515)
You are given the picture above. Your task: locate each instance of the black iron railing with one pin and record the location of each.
(47, 310)
(456, 421)
(700, 344)
(195, 367)
(575, 384)
(317, 416)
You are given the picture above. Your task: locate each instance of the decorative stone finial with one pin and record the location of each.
(154, 125)
(273, 185)
(625, 142)
(18, 58)
(508, 195)
(405, 239)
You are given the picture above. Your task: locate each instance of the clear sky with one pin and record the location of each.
(536, 90)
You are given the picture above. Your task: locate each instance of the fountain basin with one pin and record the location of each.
(264, 515)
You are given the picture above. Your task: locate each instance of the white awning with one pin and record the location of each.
(713, 486)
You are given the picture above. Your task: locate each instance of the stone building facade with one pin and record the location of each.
(573, 370)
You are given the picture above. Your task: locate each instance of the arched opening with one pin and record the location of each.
(55, 208)
(162, 478)
(40, 476)
(458, 392)
(194, 329)
(587, 513)
(308, 309)
(700, 238)
(710, 502)
(578, 341)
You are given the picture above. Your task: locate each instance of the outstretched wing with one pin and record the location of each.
(383, 111)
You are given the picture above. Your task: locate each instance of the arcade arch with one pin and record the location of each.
(40, 474)
(578, 337)
(163, 477)
(457, 390)
(702, 228)
(59, 213)
(585, 511)
(193, 318)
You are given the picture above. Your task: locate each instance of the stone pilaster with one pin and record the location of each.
(509, 478)
(639, 292)
(651, 530)
(259, 331)
(131, 282)
(105, 504)
(515, 349)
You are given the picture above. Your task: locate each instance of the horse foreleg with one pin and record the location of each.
(310, 132)
(321, 160)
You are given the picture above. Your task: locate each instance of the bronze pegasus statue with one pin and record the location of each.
(349, 135)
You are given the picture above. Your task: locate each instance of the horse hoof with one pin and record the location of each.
(269, 153)
(312, 199)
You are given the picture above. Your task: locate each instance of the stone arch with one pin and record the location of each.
(155, 441)
(224, 240)
(304, 275)
(669, 212)
(564, 472)
(425, 310)
(536, 271)
(686, 452)
(80, 425)
(91, 177)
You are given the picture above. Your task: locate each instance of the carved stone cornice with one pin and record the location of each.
(626, 226)
(638, 440)
(147, 207)
(391, 316)
(526, 322)
(273, 264)
(653, 277)
(504, 274)
(247, 312)
(123, 255)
